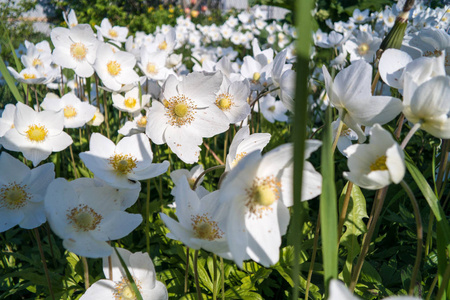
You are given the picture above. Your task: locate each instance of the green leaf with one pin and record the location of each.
(10, 81)
(129, 277)
(354, 227)
(328, 206)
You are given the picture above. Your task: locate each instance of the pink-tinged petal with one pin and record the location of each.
(8, 162)
(201, 87)
(85, 245)
(157, 122)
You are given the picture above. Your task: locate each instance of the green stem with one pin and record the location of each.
(222, 277)
(444, 284)
(343, 214)
(214, 277)
(378, 203)
(44, 263)
(313, 257)
(186, 272)
(419, 226)
(86, 272)
(194, 187)
(147, 217)
(410, 134)
(197, 284)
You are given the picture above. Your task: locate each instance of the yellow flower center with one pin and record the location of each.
(27, 76)
(238, 158)
(272, 108)
(224, 101)
(124, 291)
(13, 196)
(37, 62)
(379, 164)
(113, 68)
(36, 133)
(69, 112)
(122, 163)
(78, 51)
(151, 68)
(391, 19)
(205, 228)
(130, 102)
(363, 49)
(142, 122)
(359, 18)
(256, 76)
(83, 218)
(262, 194)
(112, 33)
(180, 110)
(163, 45)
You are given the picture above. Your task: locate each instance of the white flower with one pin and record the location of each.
(377, 164)
(429, 105)
(70, 18)
(22, 193)
(131, 103)
(122, 165)
(36, 134)
(391, 67)
(141, 269)
(273, 110)
(97, 119)
(350, 93)
(28, 75)
(7, 119)
(116, 33)
(362, 46)
(137, 125)
(244, 143)
(76, 112)
(338, 291)
(252, 198)
(86, 219)
(197, 227)
(187, 114)
(232, 99)
(191, 177)
(115, 68)
(75, 48)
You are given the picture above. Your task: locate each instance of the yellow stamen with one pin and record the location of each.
(36, 133)
(151, 68)
(379, 164)
(83, 218)
(124, 291)
(224, 101)
(113, 68)
(363, 49)
(70, 112)
(262, 194)
(112, 33)
(142, 122)
(205, 228)
(163, 46)
(130, 102)
(78, 51)
(29, 76)
(37, 62)
(122, 163)
(13, 196)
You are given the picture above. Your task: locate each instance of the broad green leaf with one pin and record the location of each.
(354, 227)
